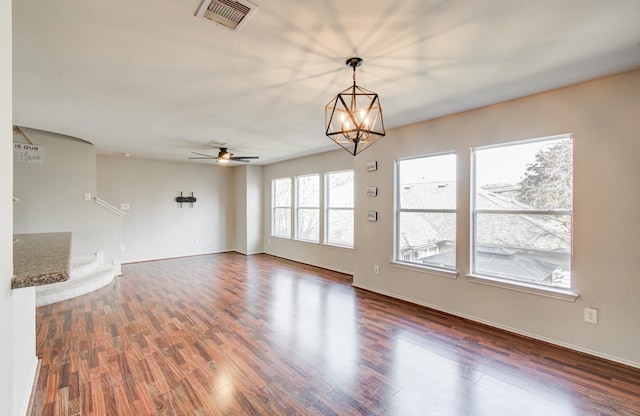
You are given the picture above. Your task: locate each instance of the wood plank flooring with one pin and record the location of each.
(227, 334)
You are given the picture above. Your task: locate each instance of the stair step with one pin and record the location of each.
(78, 284)
(83, 265)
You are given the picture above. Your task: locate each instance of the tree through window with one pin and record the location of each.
(308, 208)
(522, 211)
(281, 203)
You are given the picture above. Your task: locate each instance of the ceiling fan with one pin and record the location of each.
(224, 156)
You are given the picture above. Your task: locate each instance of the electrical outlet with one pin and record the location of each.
(376, 269)
(591, 315)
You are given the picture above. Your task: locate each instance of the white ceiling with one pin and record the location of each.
(149, 78)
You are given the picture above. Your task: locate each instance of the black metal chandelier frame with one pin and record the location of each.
(353, 119)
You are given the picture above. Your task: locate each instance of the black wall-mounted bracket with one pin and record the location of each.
(186, 199)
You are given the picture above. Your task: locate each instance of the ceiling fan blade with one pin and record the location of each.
(224, 160)
(203, 154)
(223, 156)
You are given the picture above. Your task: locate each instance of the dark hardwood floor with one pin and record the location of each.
(227, 334)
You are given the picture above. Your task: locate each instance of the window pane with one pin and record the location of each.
(282, 222)
(529, 248)
(533, 175)
(428, 182)
(340, 227)
(282, 192)
(308, 191)
(308, 224)
(428, 239)
(340, 189)
(339, 222)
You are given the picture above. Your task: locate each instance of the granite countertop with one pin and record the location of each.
(40, 259)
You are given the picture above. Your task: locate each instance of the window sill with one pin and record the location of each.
(550, 292)
(281, 237)
(423, 269)
(311, 242)
(338, 246)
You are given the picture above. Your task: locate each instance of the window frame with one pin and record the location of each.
(400, 262)
(328, 208)
(275, 207)
(298, 207)
(514, 283)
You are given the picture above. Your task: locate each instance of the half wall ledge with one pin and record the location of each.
(41, 259)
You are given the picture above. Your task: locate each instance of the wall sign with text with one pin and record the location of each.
(28, 153)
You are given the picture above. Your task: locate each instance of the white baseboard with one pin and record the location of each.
(27, 401)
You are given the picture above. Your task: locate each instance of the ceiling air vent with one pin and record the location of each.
(227, 13)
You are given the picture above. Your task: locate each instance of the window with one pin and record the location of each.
(281, 203)
(305, 191)
(339, 208)
(522, 210)
(308, 208)
(425, 225)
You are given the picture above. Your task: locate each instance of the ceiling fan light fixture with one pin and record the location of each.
(353, 119)
(224, 156)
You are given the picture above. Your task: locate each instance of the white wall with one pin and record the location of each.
(6, 224)
(255, 195)
(17, 307)
(155, 226)
(241, 209)
(51, 196)
(248, 209)
(25, 361)
(325, 256)
(604, 116)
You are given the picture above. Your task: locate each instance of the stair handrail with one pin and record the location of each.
(110, 207)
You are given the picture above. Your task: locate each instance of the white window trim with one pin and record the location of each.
(335, 245)
(326, 228)
(274, 207)
(504, 283)
(327, 208)
(550, 291)
(414, 267)
(299, 207)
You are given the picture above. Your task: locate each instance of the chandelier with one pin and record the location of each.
(353, 119)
